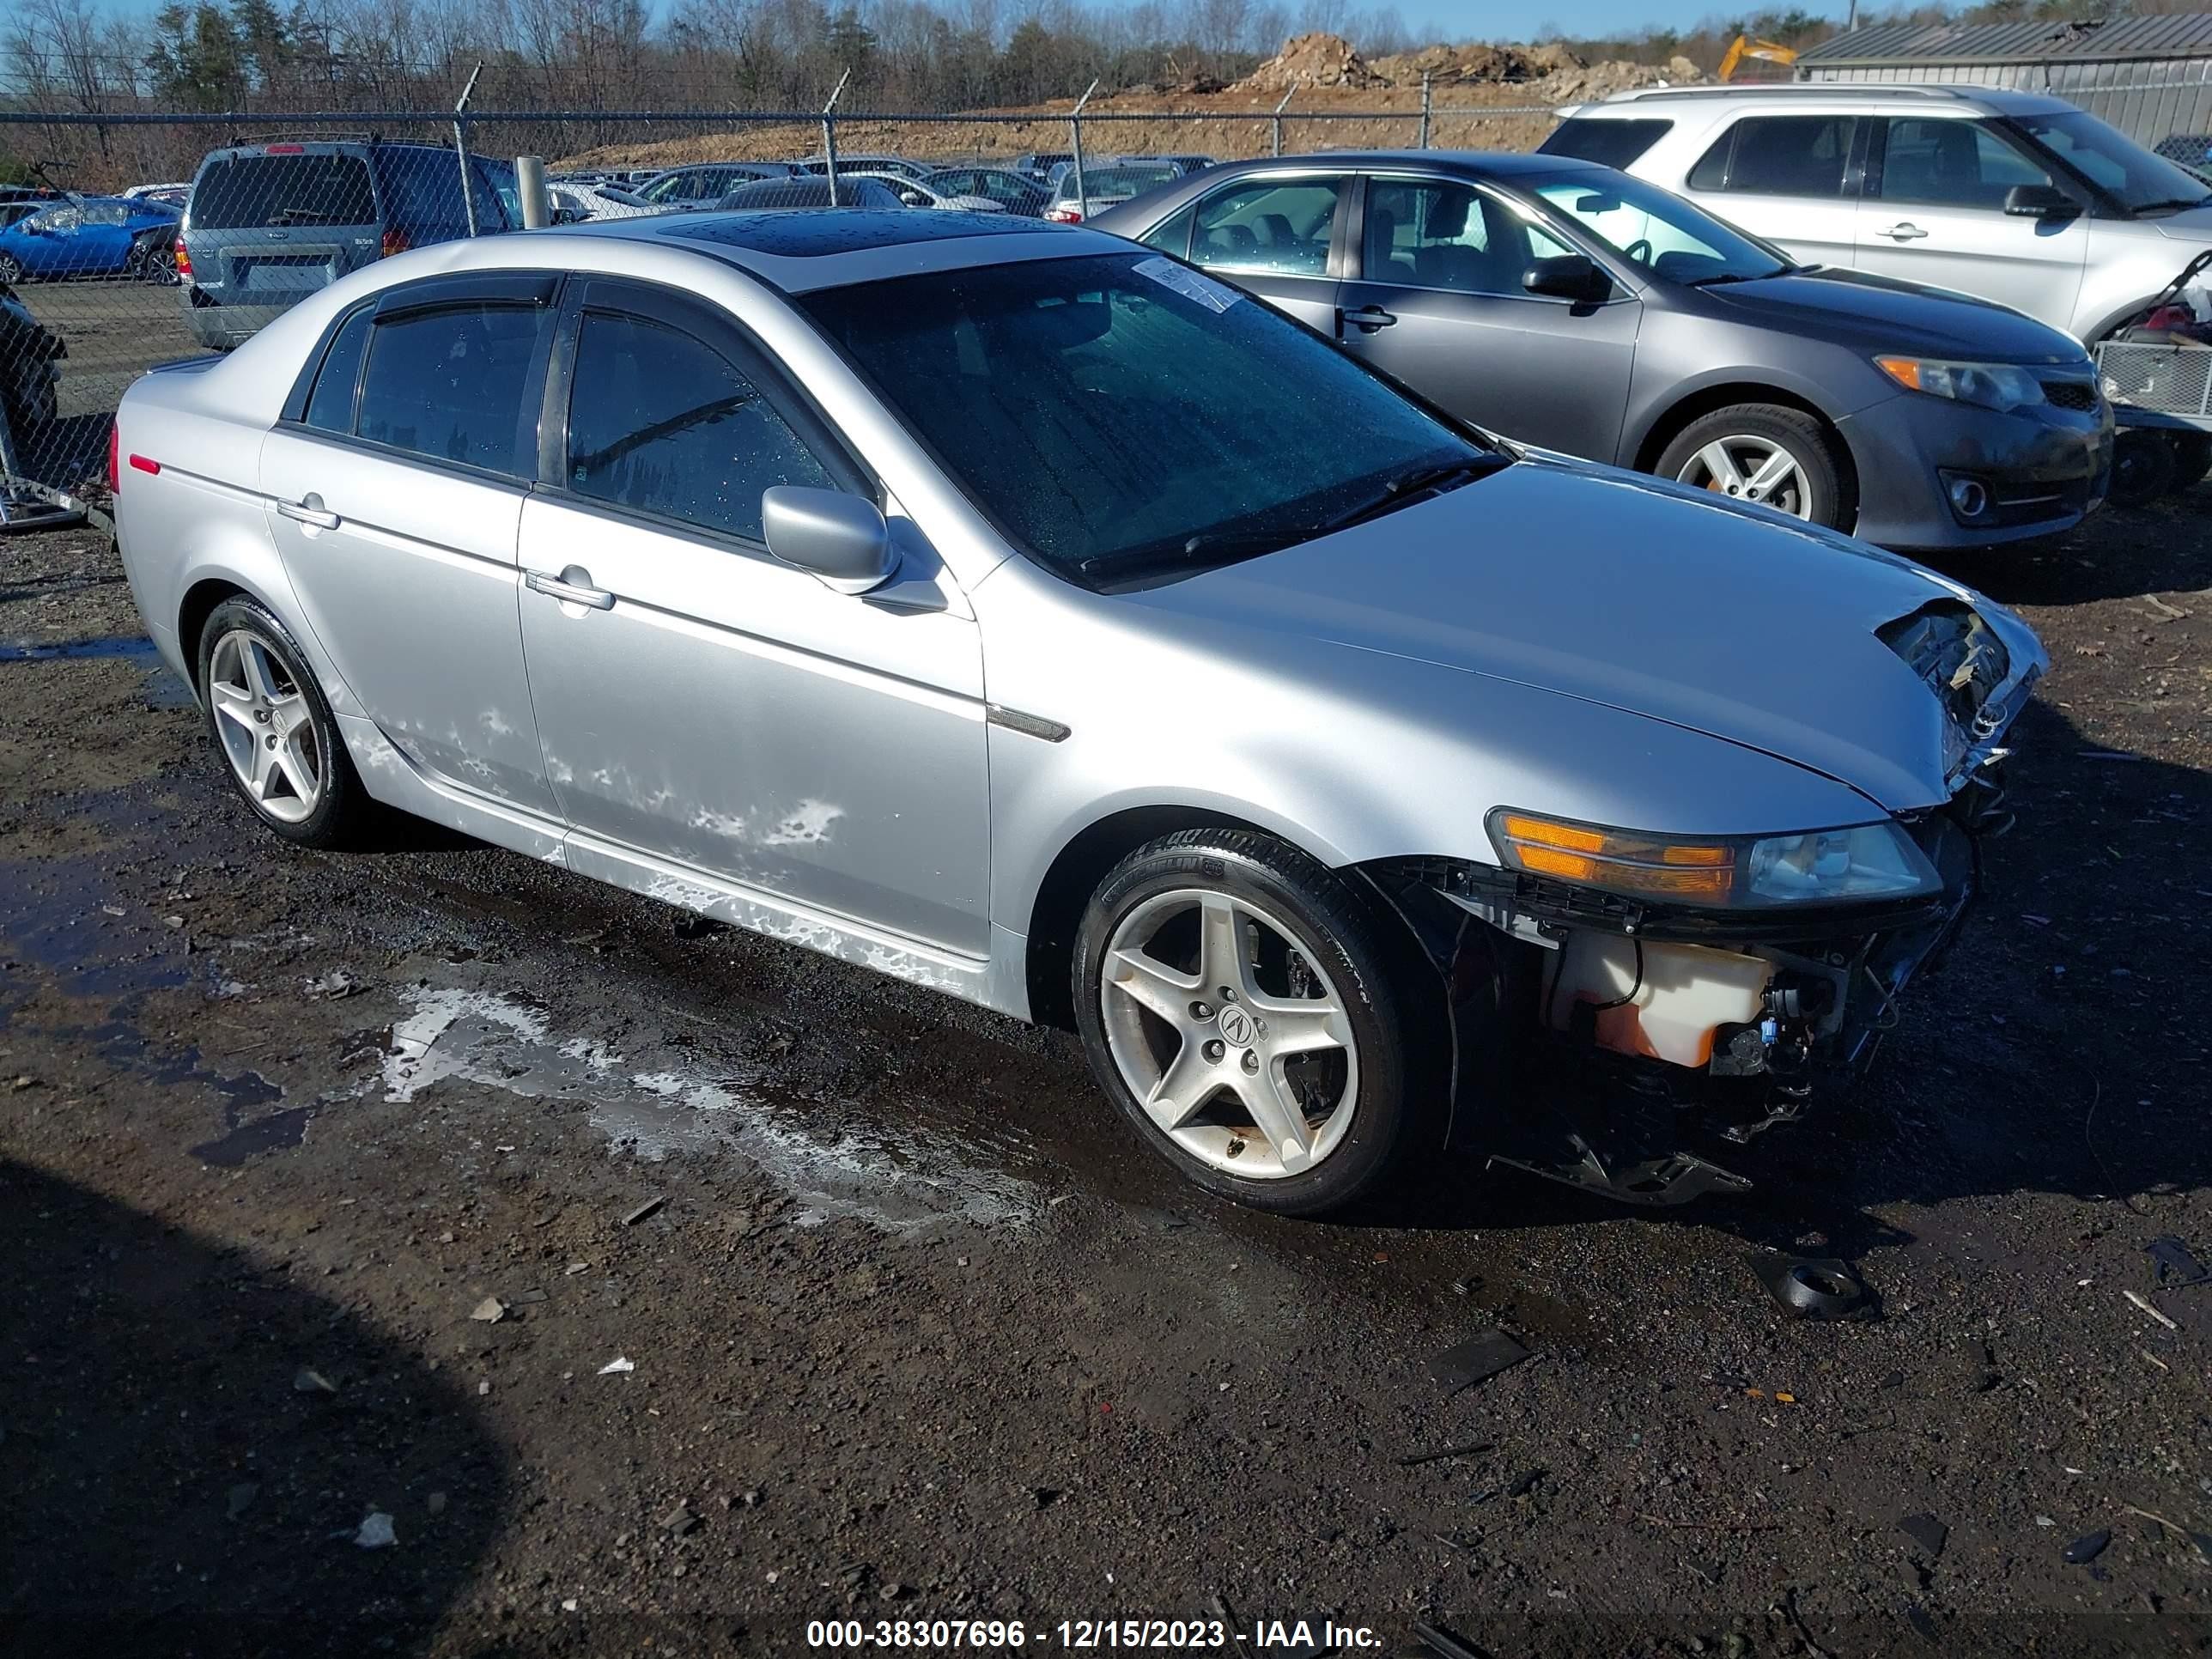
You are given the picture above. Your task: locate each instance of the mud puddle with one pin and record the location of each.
(655, 1104)
(163, 689)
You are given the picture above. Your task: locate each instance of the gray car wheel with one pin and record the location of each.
(1764, 453)
(273, 727)
(11, 271)
(1245, 1010)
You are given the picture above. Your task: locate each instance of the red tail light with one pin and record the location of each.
(395, 241)
(1063, 215)
(114, 458)
(184, 261)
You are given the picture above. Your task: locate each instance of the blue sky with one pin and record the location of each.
(1485, 19)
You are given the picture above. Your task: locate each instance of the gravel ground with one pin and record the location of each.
(909, 1327)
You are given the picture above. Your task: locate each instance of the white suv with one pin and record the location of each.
(2009, 196)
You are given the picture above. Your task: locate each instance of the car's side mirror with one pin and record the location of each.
(840, 539)
(2040, 201)
(1573, 277)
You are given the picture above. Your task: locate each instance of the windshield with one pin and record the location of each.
(2132, 175)
(1121, 415)
(1113, 181)
(1647, 227)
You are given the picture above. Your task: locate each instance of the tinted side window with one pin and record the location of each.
(1279, 225)
(449, 384)
(1951, 164)
(1610, 144)
(1711, 170)
(1450, 237)
(659, 422)
(422, 189)
(1172, 233)
(329, 406)
(1791, 155)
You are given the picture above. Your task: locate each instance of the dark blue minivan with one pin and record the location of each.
(268, 224)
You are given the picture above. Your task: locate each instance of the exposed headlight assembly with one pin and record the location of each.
(1993, 385)
(1867, 861)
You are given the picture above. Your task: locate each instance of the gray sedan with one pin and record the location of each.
(1035, 618)
(1571, 305)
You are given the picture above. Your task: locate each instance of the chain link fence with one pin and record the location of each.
(144, 237)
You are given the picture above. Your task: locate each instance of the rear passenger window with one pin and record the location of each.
(1779, 155)
(329, 406)
(1609, 143)
(659, 422)
(449, 384)
(1272, 225)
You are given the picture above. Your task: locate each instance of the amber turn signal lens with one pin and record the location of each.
(1700, 871)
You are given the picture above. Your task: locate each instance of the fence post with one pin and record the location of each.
(1277, 123)
(1425, 109)
(461, 146)
(529, 185)
(829, 134)
(1075, 139)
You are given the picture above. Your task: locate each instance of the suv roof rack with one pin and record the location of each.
(319, 136)
(1801, 89)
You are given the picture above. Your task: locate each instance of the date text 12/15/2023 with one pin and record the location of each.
(1164, 1635)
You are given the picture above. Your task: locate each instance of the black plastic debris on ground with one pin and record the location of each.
(1811, 1287)
(2088, 1546)
(1481, 1357)
(1926, 1531)
(2172, 1265)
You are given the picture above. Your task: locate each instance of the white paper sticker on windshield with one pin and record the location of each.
(1213, 295)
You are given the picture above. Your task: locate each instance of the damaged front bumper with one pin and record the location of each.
(1625, 1045)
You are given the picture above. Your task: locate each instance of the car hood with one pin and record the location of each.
(2190, 225)
(1881, 314)
(1730, 621)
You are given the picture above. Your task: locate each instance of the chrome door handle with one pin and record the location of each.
(572, 586)
(1904, 231)
(309, 509)
(1370, 318)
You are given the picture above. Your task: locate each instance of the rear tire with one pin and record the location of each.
(2143, 466)
(1784, 455)
(1289, 1058)
(274, 730)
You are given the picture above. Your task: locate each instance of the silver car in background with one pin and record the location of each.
(931, 591)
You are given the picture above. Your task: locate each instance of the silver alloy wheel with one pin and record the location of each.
(1751, 469)
(1229, 1033)
(268, 735)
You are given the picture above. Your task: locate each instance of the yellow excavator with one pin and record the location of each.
(1761, 51)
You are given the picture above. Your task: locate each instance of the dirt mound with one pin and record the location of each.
(1481, 61)
(1580, 85)
(1311, 60)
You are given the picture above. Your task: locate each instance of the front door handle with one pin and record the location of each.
(1904, 231)
(1370, 318)
(309, 509)
(572, 586)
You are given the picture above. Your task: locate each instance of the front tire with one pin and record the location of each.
(1770, 453)
(11, 272)
(275, 730)
(2142, 468)
(1256, 1022)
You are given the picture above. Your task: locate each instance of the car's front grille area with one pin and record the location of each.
(1956, 653)
(2078, 395)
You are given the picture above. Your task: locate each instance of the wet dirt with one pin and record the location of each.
(917, 1331)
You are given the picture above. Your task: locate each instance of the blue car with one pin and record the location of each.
(82, 236)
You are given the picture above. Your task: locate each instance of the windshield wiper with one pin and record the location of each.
(1204, 551)
(2176, 203)
(1411, 486)
(1720, 276)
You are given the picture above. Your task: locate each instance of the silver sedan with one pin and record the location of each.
(1029, 615)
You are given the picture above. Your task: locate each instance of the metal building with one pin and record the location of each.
(2150, 77)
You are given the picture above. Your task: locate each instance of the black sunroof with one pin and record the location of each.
(806, 232)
